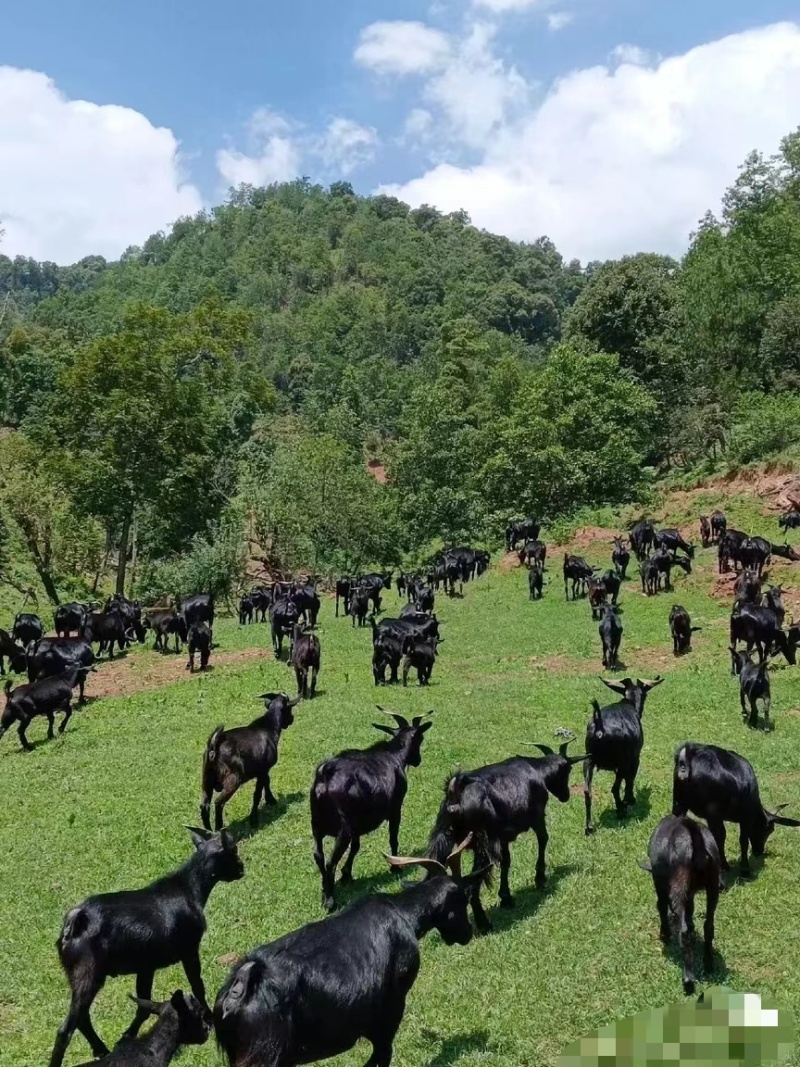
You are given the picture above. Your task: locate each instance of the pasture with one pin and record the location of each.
(104, 807)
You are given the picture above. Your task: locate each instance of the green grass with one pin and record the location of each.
(103, 807)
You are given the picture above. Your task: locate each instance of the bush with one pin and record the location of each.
(764, 426)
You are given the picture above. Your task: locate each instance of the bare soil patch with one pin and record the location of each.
(509, 562)
(135, 674)
(587, 536)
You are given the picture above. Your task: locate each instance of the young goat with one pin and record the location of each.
(316, 992)
(305, 657)
(199, 639)
(614, 740)
(421, 655)
(535, 581)
(610, 631)
(753, 685)
(597, 596)
(357, 791)
(680, 626)
(684, 860)
(246, 610)
(15, 653)
(139, 932)
(705, 531)
(44, 697)
(496, 804)
(233, 757)
(621, 557)
(721, 786)
(358, 608)
(747, 589)
(181, 1020)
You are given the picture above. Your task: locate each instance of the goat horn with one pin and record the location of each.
(465, 845)
(416, 861)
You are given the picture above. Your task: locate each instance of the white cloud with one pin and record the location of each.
(274, 155)
(79, 178)
(631, 53)
(500, 7)
(621, 159)
(475, 91)
(347, 145)
(559, 20)
(418, 124)
(401, 48)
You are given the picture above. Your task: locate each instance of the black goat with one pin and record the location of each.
(705, 531)
(139, 932)
(106, 628)
(753, 684)
(680, 626)
(53, 656)
(758, 628)
(535, 582)
(621, 557)
(181, 1020)
(305, 657)
(164, 624)
(672, 541)
(497, 803)
(387, 651)
(358, 608)
(665, 562)
(233, 757)
(421, 655)
(648, 570)
(533, 552)
(13, 652)
(614, 740)
(641, 537)
(719, 526)
(747, 589)
(69, 618)
(359, 790)
(316, 992)
(612, 584)
(790, 520)
(283, 615)
(577, 571)
(43, 697)
(344, 587)
(610, 631)
(199, 640)
(246, 610)
(684, 860)
(773, 599)
(720, 786)
(596, 592)
(27, 627)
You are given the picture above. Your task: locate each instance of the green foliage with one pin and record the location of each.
(765, 426)
(214, 563)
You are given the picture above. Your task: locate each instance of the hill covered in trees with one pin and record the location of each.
(214, 396)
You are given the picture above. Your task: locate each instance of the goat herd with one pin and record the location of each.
(316, 992)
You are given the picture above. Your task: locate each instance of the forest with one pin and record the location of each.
(305, 379)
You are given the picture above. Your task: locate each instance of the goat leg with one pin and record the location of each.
(144, 991)
(588, 772)
(506, 899)
(194, 974)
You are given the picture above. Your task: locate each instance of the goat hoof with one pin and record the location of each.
(485, 928)
(345, 878)
(688, 986)
(330, 906)
(540, 881)
(507, 902)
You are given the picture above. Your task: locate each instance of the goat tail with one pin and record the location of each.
(596, 713)
(210, 761)
(212, 746)
(75, 926)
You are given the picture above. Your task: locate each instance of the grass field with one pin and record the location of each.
(103, 807)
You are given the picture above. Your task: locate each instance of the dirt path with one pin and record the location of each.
(148, 671)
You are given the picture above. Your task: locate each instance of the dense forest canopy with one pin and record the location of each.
(208, 405)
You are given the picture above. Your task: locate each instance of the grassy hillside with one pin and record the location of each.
(104, 806)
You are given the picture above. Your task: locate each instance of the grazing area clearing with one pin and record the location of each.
(103, 808)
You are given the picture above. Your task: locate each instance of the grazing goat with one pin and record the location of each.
(359, 790)
(139, 932)
(610, 631)
(671, 540)
(43, 697)
(758, 628)
(719, 526)
(199, 640)
(665, 562)
(535, 582)
(614, 740)
(773, 599)
(641, 538)
(525, 530)
(621, 557)
(578, 571)
(163, 624)
(680, 626)
(753, 684)
(305, 657)
(790, 520)
(720, 786)
(421, 655)
(533, 552)
(496, 804)
(316, 992)
(233, 757)
(181, 1020)
(728, 549)
(705, 531)
(684, 861)
(358, 608)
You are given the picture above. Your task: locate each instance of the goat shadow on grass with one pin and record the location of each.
(453, 1048)
(241, 828)
(721, 972)
(620, 666)
(608, 819)
(527, 900)
(347, 892)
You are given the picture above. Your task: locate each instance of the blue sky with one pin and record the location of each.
(491, 102)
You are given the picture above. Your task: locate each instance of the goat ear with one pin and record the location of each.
(645, 865)
(617, 687)
(199, 835)
(425, 727)
(650, 683)
(227, 839)
(269, 696)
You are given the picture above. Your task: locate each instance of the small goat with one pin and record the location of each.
(610, 631)
(305, 657)
(753, 684)
(684, 860)
(233, 757)
(421, 655)
(199, 641)
(357, 791)
(680, 626)
(43, 697)
(181, 1020)
(139, 932)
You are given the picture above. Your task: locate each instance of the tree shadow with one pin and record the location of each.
(454, 1047)
(241, 828)
(641, 809)
(529, 899)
